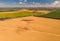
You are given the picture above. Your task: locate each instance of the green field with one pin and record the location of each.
(15, 15)
(54, 15)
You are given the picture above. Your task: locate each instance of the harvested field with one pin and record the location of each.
(30, 29)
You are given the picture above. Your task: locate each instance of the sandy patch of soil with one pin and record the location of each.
(30, 29)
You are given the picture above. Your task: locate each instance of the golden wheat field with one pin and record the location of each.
(30, 29)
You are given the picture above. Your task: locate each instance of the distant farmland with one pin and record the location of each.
(14, 13)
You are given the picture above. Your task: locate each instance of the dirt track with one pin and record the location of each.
(30, 29)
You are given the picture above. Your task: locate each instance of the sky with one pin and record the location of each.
(29, 3)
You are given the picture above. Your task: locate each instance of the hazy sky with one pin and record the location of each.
(28, 3)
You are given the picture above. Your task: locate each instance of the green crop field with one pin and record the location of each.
(54, 15)
(15, 15)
